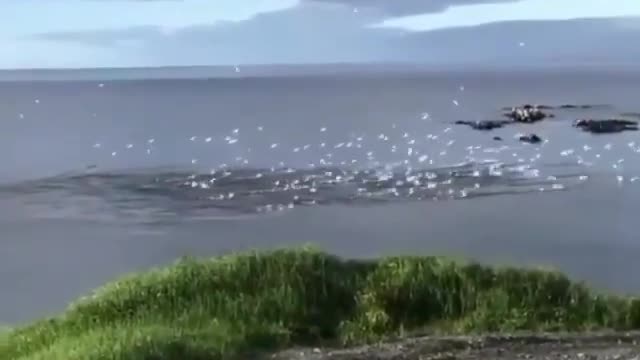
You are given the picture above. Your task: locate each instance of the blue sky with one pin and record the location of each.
(115, 33)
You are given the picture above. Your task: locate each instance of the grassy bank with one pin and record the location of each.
(4, 330)
(228, 306)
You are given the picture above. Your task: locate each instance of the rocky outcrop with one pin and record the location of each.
(528, 113)
(605, 126)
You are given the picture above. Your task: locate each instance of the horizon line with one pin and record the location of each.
(325, 64)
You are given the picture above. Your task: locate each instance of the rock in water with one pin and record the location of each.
(606, 126)
(527, 113)
(531, 139)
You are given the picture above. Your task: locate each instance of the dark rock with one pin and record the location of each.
(497, 138)
(531, 139)
(483, 124)
(606, 126)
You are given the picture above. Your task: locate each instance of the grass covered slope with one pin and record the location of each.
(231, 305)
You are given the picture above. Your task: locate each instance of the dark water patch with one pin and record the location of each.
(157, 196)
(583, 107)
(484, 124)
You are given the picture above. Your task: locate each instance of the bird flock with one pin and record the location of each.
(432, 162)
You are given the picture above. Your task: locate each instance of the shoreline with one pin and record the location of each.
(533, 346)
(260, 302)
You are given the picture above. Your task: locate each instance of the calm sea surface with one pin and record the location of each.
(99, 178)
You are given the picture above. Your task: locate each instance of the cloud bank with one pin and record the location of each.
(330, 31)
(407, 7)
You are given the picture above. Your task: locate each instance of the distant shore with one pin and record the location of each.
(259, 302)
(232, 71)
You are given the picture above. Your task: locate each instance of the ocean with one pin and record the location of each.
(102, 177)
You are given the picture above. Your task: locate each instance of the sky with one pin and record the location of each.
(132, 33)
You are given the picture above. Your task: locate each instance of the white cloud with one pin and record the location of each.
(35, 16)
(479, 14)
(310, 32)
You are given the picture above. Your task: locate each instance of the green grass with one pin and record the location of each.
(4, 330)
(227, 307)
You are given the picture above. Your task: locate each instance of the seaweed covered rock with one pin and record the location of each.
(606, 125)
